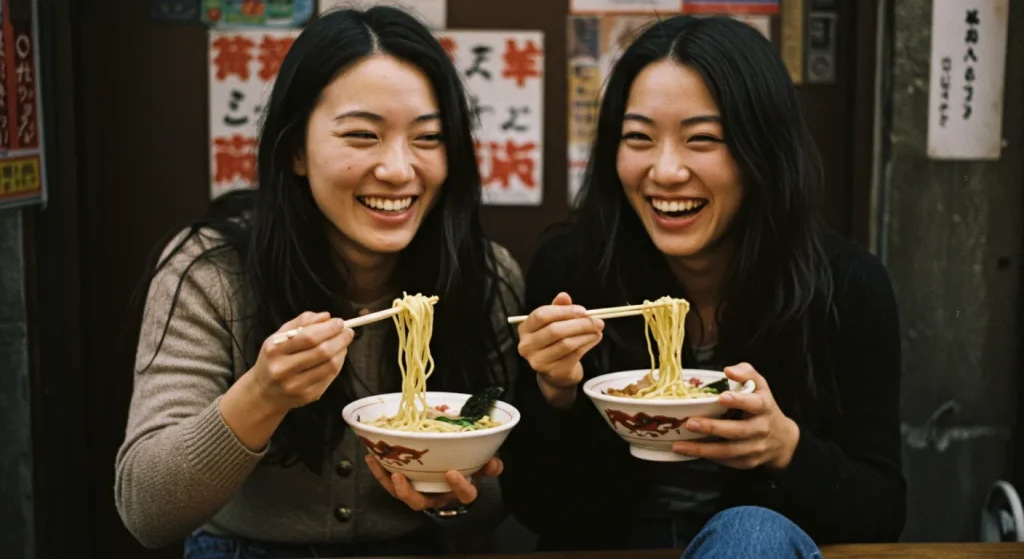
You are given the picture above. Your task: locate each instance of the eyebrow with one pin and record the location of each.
(377, 118)
(685, 122)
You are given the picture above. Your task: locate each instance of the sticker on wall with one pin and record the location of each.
(243, 66)
(22, 161)
(432, 12)
(272, 13)
(503, 72)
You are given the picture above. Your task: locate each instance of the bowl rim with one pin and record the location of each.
(346, 414)
(590, 391)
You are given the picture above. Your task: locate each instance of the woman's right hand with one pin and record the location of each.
(298, 362)
(553, 339)
(295, 366)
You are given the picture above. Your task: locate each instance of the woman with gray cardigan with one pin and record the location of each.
(368, 187)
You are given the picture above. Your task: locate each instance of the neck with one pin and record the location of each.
(370, 275)
(702, 277)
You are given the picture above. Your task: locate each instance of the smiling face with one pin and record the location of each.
(673, 162)
(374, 156)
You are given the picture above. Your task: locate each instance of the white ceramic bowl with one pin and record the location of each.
(424, 458)
(650, 426)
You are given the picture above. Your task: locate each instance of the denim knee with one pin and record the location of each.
(749, 531)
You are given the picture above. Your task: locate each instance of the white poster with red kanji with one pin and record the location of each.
(243, 65)
(503, 72)
(22, 169)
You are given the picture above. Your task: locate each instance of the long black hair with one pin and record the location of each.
(777, 292)
(279, 232)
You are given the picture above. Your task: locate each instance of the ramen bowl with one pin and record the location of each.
(650, 426)
(424, 457)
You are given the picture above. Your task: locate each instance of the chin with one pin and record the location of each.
(670, 245)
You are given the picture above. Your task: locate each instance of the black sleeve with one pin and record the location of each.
(849, 486)
(537, 454)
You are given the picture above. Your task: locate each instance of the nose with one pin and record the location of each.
(669, 168)
(395, 166)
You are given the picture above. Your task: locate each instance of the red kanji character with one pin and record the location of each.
(521, 64)
(517, 161)
(235, 157)
(272, 52)
(449, 45)
(233, 56)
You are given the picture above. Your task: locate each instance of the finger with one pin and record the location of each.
(743, 372)
(408, 495)
(547, 314)
(727, 428)
(307, 318)
(381, 474)
(464, 491)
(317, 380)
(546, 358)
(330, 352)
(562, 298)
(720, 450)
(306, 338)
(492, 468)
(753, 403)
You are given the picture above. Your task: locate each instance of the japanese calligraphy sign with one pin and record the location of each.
(432, 12)
(968, 65)
(22, 171)
(243, 65)
(503, 72)
(280, 13)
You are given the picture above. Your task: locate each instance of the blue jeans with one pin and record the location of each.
(204, 545)
(751, 532)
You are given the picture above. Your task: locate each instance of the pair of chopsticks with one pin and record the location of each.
(351, 323)
(607, 312)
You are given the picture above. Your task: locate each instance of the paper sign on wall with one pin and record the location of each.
(432, 12)
(968, 65)
(503, 72)
(243, 66)
(625, 6)
(22, 161)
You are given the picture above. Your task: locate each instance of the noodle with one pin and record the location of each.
(666, 323)
(415, 326)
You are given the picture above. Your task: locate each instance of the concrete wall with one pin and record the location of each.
(16, 506)
(953, 244)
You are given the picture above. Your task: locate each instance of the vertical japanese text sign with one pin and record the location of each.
(504, 76)
(22, 171)
(968, 66)
(243, 65)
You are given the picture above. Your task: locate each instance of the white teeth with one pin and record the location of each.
(672, 206)
(387, 204)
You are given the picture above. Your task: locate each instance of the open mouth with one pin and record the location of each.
(676, 209)
(387, 205)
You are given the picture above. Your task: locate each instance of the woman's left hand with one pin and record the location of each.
(764, 436)
(462, 490)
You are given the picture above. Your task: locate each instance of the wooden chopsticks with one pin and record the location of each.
(351, 323)
(607, 312)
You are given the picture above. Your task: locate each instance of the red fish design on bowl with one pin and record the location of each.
(393, 454)
(642, 424)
